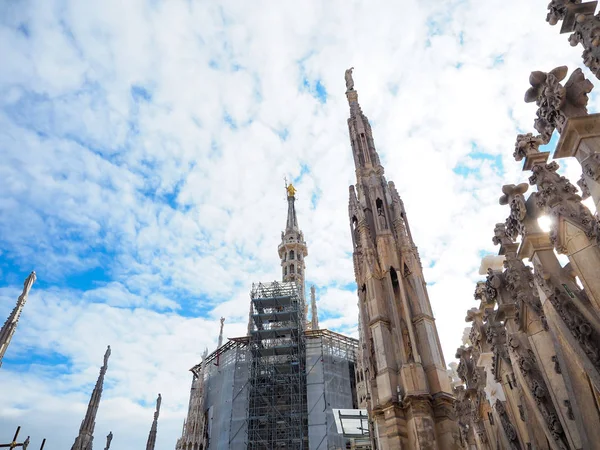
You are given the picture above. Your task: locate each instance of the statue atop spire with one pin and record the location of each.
(9, 327)
(349, 79)
(292, 219)
(220, 341)
(86, 430)
(152, 436)
(108, 441)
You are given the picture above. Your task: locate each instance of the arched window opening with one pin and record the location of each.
(291, 254)
(291, 268)
(355, 234)
(379, 205)
(285, 271)
(381, 214)
(394, 278)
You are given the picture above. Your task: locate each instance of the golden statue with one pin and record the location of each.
(291, 190)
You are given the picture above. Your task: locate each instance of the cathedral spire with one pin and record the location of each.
(9, 327)
(314, 316)
(292, 249)
(152, 436)
(397, 322)
(361, 136)
(292, 219)
(86, 430)
(220, 341)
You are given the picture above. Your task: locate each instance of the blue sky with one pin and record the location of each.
(144, 147)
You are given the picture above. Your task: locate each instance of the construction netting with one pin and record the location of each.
(226, 396)
(330, 383)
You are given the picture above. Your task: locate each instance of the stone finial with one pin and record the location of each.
(557, 10)
(526, 144)
(557, 103)
(513, 196)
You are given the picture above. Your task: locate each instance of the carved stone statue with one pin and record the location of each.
(291, 190)
(108, 440)
(349, 80)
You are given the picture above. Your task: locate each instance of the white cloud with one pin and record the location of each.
(142, 175)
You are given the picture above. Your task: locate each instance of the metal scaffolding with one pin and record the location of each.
(277, 414)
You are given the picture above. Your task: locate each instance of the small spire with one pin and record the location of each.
(250, 322)
(220, 341)
(153, 430)
(313, 306)
(86, 430)
(8, 329)
(108, 440)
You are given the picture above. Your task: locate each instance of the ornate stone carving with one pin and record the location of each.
(575, 321)
(529, 368)
(526, 144)
(556, 103)
(557, 10)
(466, 365)
(558, 197)
(518, 278)
(585, 190)
(591, 166)
(509, 429)
(557, 368)
(513, 196)
(496, 336)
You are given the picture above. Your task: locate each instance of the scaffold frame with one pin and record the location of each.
(277, 415)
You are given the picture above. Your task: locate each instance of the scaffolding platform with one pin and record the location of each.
(277, 414)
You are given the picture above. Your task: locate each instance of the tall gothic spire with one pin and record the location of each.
(397, 323)
(9, 327)
(361, 136)
(86, 430)
(292, 249)
(314, 316)
(152, 436)
(220, 341)
(292, 219)
(195, 425)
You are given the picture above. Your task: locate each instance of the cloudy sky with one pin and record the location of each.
(143, 146)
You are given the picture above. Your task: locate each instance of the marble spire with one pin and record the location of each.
(86, 430)
(314, 316)
(293, 250)
(152, 436)
(220, 341)
(9, 327)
